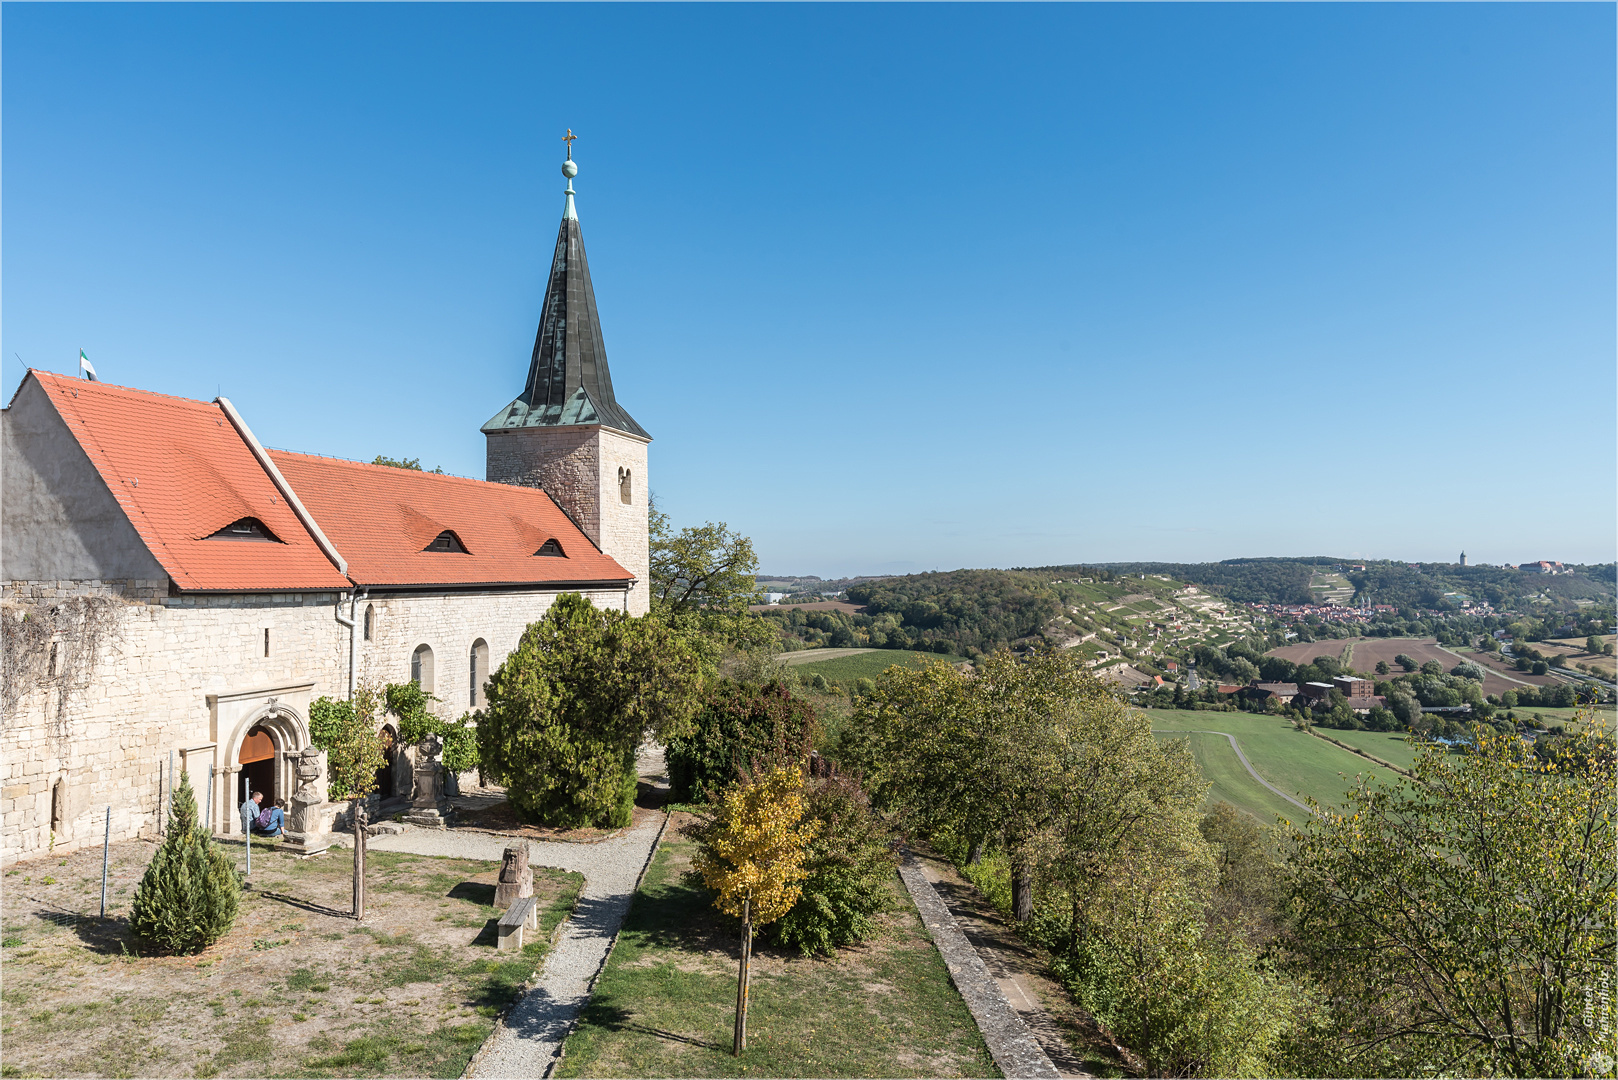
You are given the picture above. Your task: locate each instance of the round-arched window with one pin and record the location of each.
(421, 667)
(478, 665)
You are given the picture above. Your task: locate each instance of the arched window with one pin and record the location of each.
(626, 489)
(370, 622)
(421, 667)
(479, 665)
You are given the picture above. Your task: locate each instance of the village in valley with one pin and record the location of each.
(320, 763)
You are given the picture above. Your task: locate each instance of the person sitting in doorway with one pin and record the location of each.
(249, 810)
(271, 819)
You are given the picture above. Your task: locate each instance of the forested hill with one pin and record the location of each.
(979, 609)
(963, 612)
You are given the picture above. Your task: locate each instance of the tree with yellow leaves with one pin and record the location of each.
(752, 856)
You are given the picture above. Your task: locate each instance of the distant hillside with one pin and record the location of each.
(1106, 619)
(1427, 586)
(1247, 581)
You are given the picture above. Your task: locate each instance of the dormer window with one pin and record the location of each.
(551, 547)
(247, 528)
(446, 541)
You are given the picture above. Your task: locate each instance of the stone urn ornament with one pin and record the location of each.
(425, 809)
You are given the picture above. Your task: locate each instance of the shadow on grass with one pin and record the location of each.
(474, 892)
(677, 913)
(304, 905)
(616, 1018)
(105, 937)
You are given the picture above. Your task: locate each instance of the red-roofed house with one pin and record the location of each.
(172, 587)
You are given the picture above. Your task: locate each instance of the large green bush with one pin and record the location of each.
(187, 899)
(736, 725)
(569, 707)
(850, 864)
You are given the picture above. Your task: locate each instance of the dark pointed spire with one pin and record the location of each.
(568, 381)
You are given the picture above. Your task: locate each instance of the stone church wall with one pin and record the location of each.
(190, 673)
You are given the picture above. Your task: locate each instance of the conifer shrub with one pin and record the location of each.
(849, 867)
(737, 725)
(188, 896)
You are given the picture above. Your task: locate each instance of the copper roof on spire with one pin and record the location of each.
(568, 381)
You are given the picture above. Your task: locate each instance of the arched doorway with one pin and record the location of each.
(257, 758)
(390, 752)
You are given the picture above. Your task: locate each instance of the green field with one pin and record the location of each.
(1390, 746)
(1297, 763)
(866, 665)
(1232, 784)
(1564, 717)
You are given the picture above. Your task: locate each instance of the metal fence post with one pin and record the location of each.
(106, 841)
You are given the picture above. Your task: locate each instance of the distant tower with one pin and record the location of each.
(1463, 558)
(566, 432)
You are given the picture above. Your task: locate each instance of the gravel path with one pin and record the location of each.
(526, 1042)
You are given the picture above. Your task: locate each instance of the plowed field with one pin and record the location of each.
(1498, 677)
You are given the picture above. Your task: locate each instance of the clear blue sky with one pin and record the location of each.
(893, 287)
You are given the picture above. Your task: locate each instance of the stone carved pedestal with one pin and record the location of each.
(305, 825)
(426, 808)
(516, 877)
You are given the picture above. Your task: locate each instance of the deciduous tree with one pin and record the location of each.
(752, 857)
(1460, 923)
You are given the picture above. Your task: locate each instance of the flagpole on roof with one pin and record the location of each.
(86, 368)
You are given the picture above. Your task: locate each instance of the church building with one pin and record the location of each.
(176, 592)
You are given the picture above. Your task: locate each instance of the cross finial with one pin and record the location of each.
(568, 138)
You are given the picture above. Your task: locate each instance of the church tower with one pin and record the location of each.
(566, 432)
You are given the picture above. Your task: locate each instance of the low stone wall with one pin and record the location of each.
(1013, 1046)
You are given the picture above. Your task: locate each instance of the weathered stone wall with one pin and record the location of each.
(190, 673)
(581, 468)
(563, 462)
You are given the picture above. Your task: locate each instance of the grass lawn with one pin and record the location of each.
(868, 664)
(296, 989)
(665, 1003)
(1291, 760)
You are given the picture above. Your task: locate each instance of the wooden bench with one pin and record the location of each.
(524, 913)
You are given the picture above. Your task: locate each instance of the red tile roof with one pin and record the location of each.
(182, 472)
(380, 518)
